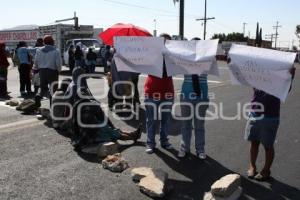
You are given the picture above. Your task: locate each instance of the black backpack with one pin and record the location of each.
(91, 114)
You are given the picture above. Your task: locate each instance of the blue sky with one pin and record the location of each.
(229, 14)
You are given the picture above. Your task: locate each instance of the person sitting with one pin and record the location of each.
(88, 124)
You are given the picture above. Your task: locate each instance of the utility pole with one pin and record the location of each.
(271, 37)
(244, 28)
(75, 18)
(276, 33)
(181, 19)
(154, 31)
(205, 19)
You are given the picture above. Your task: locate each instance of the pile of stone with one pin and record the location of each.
(150, 181)
(113, 160)
(115, 163)
(226, 188)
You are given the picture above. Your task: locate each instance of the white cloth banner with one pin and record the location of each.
(139, 54)
(191, 57)
(263, 69)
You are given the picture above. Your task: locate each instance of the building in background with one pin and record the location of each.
(60, 32)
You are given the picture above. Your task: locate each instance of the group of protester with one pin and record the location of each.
(159, 95)
(78, 58)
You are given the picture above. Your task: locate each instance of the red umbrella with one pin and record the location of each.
(122, 30)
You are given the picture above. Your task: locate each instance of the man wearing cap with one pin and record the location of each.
(48, 62)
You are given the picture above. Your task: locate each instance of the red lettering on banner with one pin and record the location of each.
(5, 36)
(19, 36)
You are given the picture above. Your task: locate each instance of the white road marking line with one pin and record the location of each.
(7, 106)
(19, 123)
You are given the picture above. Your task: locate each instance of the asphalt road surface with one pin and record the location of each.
(38, 162)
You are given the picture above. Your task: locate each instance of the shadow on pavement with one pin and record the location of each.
(140, 118)
(69, 73)
(200, 175)
(136, 119)
(93, 158)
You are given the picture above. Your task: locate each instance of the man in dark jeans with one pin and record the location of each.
(106, 55)
(122, 89)
(24, 68)
(48, 61)
(71, 53)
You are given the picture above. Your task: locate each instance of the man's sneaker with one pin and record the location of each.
(181, 154)
(202, 156)
(149, 150)
(23, 93)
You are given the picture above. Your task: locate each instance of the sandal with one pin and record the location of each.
(251, 174)
(262, 177)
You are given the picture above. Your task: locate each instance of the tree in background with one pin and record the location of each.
(220, 36)
(298, 31)
(233, 37)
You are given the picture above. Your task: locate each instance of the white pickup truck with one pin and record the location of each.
(85, 44)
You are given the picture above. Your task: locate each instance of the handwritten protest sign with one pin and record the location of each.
(191, 57)
(263, 69)
(139, 54)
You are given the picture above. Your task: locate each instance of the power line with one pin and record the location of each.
(224, 26)
(147, 8)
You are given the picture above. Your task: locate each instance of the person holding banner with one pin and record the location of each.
(194, 103)
(262, 128)
(159, 95)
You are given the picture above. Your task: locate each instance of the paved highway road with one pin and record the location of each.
(37, 162)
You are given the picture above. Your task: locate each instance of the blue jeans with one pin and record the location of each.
(79, 63)
(91, 66)
(189, 112)
(154, 116)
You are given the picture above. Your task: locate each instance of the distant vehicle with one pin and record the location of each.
(65, 36)
(226, 45)
(85, 44)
